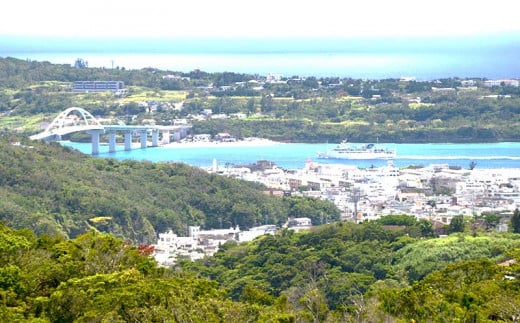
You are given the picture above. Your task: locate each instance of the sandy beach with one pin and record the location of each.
(247, 142)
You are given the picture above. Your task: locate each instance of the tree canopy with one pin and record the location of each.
(56, 190)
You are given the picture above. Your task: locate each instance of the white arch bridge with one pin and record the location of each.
(76, 119)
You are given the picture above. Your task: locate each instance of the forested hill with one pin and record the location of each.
(341, 272)
(371, 272)
(56, 190)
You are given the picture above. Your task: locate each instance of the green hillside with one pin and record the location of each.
(335, 273)
(55, 190)
(311, 110)
(98, 278)
(367, 272)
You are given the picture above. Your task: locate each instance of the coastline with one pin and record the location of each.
(293, 155)
(247, 142)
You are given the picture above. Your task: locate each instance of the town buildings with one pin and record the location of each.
(436, 192)
(200, 243)
(117, 87)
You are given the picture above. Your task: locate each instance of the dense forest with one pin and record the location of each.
(294, 109)
(342, 272)
(98, 278)
(56, 190)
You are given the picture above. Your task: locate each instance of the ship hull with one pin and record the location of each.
(345, 151)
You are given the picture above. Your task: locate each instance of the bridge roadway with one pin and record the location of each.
(143, 131)
(63, 124)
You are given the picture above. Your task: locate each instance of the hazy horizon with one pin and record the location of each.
(372, 39)
(410, 44)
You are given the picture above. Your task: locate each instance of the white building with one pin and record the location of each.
(506, 82)
(298, 224)
(255, 232)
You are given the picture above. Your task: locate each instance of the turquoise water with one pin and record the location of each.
(293, 156)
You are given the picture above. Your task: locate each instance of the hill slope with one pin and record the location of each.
(52, 189)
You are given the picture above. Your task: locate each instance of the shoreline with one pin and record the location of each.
(292, 156)
(248, 142)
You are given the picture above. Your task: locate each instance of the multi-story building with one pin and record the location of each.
(507, 82)
(99, 86)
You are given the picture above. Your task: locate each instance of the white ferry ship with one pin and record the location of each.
(369, 151)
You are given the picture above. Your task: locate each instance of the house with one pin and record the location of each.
(224, 137)
(407, 79)
(202, 138)
(273, 78)
(254, 232)
(298, 224)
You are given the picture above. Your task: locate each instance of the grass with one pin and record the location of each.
(420, 105)
(349, 98)
(347, 123)
(23, 123)
(140, 95)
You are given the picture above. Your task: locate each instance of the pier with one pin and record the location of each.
(77, 119)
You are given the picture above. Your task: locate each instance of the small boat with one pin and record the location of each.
(345, 150)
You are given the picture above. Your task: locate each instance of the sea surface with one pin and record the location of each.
(295, 155)
(489, 56)
(425, 66)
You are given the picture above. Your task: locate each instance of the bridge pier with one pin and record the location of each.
(95, 140)
(128, 140)
(177, 136)
(155, 138)
(165, 137)
(144, 136)
(112, 142)
(183, 133)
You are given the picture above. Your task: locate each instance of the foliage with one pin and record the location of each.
(342, 272)
(417, 260)
(307, 110)
(97, 277)
(469, 291)
(335, 263)
(456, 224)
(55, 190)
(361, 272)
(515, 221)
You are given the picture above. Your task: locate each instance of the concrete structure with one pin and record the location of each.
(500, 82)
(368, 194)
(298, 224)
(99, 86)
(201, 243)
(77, 119)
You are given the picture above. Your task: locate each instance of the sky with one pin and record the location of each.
(261, 18)
(465, 36)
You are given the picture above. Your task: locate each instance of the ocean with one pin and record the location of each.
(488, 56)
(295, 155)
(425, 59)
(358, 66)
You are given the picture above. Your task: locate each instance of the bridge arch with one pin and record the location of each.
(63, 124)
(63, 120)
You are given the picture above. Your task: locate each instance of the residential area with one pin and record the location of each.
(437, 193)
